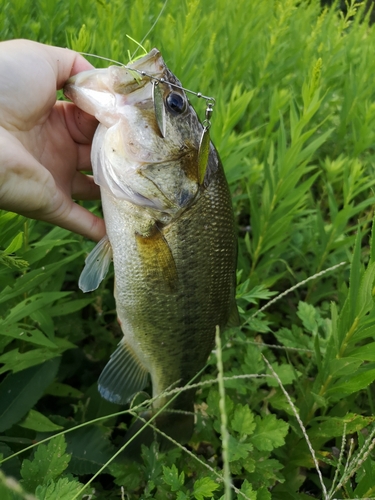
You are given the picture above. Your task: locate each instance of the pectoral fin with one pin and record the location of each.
(123, 376)
(96, 266)
(160, 267)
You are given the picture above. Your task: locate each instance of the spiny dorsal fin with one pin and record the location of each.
(123, 376)
(96, 266)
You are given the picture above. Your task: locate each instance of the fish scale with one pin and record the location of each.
(172, 234)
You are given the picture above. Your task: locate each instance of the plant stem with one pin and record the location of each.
(224, 419)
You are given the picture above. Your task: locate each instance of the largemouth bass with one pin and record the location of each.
(170, 230)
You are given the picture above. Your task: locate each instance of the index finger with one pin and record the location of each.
(65, 63)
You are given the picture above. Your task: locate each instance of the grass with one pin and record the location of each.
(285, 408)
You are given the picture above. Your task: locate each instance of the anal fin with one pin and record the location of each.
(123, 376)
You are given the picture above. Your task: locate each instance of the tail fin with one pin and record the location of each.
(178, 426)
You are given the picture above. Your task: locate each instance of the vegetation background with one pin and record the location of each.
(286, 405)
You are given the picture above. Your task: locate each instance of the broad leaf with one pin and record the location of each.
(63, 489)
(36, 421)
(172, 478)
(48, 463)
(269, 433)
(20, 391)
(243, 420)
(204, 488)
(89, 449)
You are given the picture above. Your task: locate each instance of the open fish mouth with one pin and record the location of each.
(115, 85)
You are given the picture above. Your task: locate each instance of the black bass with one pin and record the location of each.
(170, 229)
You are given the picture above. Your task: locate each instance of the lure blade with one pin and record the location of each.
(204, 149)
(157, 97)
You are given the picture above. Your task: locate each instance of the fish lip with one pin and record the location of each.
(151, 65)
(143, 63)
(120, 77)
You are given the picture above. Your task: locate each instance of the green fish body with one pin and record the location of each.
(171, 233)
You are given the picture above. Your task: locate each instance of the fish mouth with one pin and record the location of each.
(152, 64)
(108, 93)
(131, 80)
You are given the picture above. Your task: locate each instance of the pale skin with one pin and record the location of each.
(45, 145)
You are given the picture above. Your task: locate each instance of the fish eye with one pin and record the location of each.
(176, 102)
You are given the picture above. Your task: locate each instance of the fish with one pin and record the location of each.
(170, 233)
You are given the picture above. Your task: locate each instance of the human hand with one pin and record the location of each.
(44, 144)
